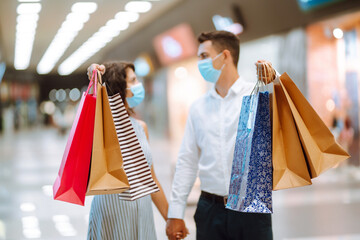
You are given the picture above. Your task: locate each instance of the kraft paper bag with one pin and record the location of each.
(107, 175)
(289, 164)
(320, 147)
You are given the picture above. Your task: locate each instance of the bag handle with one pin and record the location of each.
(94, 79)
(98, 76)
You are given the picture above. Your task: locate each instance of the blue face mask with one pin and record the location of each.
(139, 95)
(208, 72)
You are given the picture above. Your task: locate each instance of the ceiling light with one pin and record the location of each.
(25, 33)
(103, 36)
(73, 26)
(26, 26)
(117, 25)
(138, 6)
(84, 7)
(29, 1)
(78, 17)
(127, 16)
(64, 37)
(338, 33)
(28, 8)
(28, 17)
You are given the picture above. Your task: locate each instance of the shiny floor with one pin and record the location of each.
(29, 161)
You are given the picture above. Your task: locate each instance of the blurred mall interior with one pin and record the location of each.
(46, 47)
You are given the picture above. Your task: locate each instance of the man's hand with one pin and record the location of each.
(176, 229)
(95, 66)
(265, 71)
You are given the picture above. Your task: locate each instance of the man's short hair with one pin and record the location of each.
(222, 40)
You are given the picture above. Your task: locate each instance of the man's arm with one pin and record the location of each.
(184, 178)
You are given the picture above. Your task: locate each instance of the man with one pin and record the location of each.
(208, 148)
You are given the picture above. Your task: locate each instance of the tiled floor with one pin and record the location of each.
(29, 161)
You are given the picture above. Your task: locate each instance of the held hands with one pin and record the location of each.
(265, 71)
(176, 229)
(95, 66)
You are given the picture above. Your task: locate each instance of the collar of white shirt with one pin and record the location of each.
(237, 86)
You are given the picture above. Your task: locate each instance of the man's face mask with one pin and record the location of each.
(208, 72)
(139, 95)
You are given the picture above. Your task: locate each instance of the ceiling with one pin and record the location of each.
(262, 18)
(53, 14)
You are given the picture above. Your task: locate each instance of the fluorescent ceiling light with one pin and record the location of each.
(78, 17)
(28, 8)
(84, 7)
(64, 37)
(104, 35)
(117, 25)
(127, 16)
(28, 17)
(25, 33)
(138, 6)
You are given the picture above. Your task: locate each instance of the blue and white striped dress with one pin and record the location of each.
(114, 219)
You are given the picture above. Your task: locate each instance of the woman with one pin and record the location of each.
(111, 218)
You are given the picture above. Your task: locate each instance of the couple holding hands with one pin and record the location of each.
(207, 149)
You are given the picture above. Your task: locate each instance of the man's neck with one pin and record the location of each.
(227, 78)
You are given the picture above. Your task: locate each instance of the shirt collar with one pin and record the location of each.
(235, 88)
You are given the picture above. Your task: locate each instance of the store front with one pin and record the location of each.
(333, 65)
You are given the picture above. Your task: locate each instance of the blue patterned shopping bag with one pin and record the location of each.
(251, 176)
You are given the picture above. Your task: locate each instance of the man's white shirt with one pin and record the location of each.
(208, 145)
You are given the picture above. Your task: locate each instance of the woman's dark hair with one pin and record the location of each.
(115, 78)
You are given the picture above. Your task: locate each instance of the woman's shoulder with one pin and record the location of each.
(143, 125)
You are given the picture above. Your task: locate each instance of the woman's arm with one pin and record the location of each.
(158, 198)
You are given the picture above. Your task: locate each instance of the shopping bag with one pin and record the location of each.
(289, 164)
(71, 183)
(107, 175)
(320, 147)
(135, 165)
(251, 177)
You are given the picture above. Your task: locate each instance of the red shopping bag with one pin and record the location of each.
(71, 183)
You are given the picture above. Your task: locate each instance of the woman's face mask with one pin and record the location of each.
(208, 72)
(139, 95)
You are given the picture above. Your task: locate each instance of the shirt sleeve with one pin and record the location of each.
(185, 172)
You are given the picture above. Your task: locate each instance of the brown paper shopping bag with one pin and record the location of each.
(107, 174)
(321, 150)
(289, 165)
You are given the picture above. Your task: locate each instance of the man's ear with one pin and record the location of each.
(227, 56)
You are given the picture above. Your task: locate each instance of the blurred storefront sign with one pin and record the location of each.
(227, 24)
(175, 44)
(143, 65)
(308, 5)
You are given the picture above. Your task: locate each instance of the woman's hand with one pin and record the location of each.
(95, 66)
(265, 71)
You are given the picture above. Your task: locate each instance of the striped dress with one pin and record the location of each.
(114, 219)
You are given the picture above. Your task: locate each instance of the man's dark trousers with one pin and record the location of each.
(215, 222)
